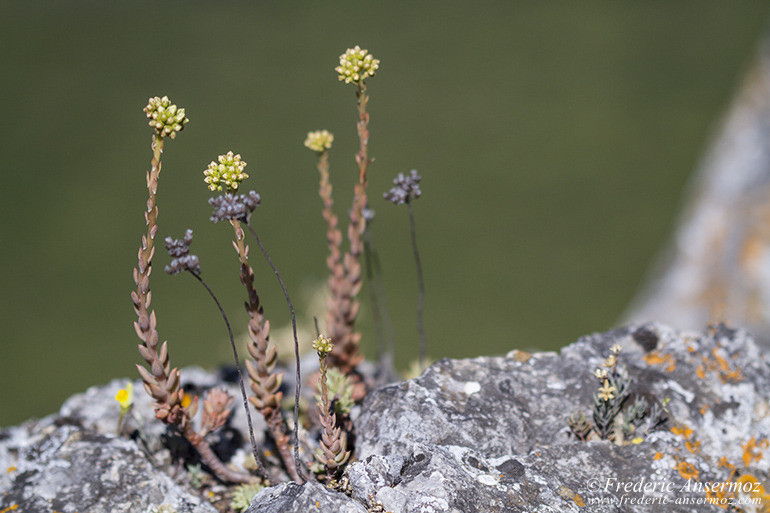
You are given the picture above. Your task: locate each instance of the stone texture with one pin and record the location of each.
(490, 434)
(486, 434)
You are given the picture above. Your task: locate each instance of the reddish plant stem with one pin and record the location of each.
(162, 382)
(265, 383)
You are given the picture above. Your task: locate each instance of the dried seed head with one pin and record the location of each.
(227, 174)
(234, 206)
(407, 188)
(182, 260)
(356, 65)
(319, 141)
(165, 117)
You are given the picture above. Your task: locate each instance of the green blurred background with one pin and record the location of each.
(555, 140)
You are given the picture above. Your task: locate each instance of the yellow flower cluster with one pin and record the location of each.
(356, 65)
(226, 175)
(165, 117)
(319, 141)
(323, 345)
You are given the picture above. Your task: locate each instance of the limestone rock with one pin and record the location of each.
(490, 434)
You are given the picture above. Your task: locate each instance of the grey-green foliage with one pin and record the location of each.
(242, 495)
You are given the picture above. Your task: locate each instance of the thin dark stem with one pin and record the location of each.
(382, 324)
(420, 285)
(260, 468)
(300, 467)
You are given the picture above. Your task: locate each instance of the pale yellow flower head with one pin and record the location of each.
(227, 174)
(616, 348)
(323, 345)
(319, 141)
(166, 118)
(601, 374)
(356, 65)
(606, 391)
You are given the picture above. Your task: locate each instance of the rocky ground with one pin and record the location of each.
(486, 434)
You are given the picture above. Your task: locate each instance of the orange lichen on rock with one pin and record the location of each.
(719, 364)
(687, 470)
(752, 450)
(658, 455)
(691, 446)
(682, 430)
(656, 358)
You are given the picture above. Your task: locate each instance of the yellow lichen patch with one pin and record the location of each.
(735, 376)
(752, 450)
(723, 462)
(11, 469)
(704, 409)
(567, 494)
(757, 491)
(718, 364)
(520, 356)
(658, 455)
(656, 358)
(9, 508)
(721, 362)
(692, 447)
(687, 470)
(682, 430)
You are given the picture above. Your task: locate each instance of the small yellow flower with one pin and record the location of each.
(166, 118)
(227, 174)
(356, 65)
(601, 374)
(605, 391)
(186, 400)
(125, 397)
(319, 141)
(616, 348)
(611, 361)
(323, 345)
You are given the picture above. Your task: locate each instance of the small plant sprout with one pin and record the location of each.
(265, 383)
(216, 407)
(162, 382)
(618, 414)
(355, 66)
(333, 453)
(124, 397)
(405, 190)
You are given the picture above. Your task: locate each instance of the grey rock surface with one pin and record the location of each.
(487, 434)
(490, 434)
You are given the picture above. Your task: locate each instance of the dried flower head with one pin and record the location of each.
(234, 206)
(616, 348)
(356, 65)
(611, 361)
(406, 189)
(323, 345)
(179, 249)
(227, 174)
(606, 391)
(165, 117)
(217, 407)
(319, 141)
